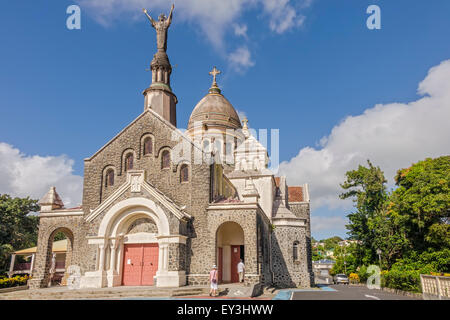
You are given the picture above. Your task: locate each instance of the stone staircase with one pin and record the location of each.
(62, 293)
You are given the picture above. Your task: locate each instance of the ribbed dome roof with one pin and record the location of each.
(215, 110)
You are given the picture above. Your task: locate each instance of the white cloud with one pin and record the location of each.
(392, 136)
(320, 224)
(213, 18)
(240, 30)
(23, 175)
(283, 15)
(241, 59)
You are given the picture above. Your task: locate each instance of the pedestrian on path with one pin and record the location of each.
(213, 279)
(241, 270)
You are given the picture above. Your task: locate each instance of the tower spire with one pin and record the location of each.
(159, 96)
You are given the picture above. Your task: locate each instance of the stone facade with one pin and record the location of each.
(290, 272)
(131, 195)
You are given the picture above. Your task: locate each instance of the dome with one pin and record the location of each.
(215, 111)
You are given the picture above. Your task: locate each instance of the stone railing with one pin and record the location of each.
(435, 287)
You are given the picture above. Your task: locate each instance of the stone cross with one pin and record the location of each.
(245, 122)
(135, 184)
(214, 73)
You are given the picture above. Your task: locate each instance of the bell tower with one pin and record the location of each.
(159, 96)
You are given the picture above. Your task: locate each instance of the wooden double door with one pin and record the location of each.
(140, 263)
(237, 253)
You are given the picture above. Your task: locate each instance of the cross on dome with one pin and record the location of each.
(214, 72)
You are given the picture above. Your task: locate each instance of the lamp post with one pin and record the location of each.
(345, 262)
(379, 256)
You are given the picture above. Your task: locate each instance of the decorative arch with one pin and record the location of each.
(143, 140)
(165, 157)
(106, 170)
(112, 239)
(49, 256)
(118, 214)
(185, 173)
(125, 154)
(230, 248)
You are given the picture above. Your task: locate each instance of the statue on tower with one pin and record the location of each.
(161, 27)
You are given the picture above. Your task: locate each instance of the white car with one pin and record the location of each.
(341, 278)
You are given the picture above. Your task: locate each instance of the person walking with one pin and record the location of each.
(241, 270)
(213, 278)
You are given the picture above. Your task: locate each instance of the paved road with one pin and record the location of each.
(345, 292)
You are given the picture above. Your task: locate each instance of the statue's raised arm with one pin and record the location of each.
(149, 17)
(169, 19)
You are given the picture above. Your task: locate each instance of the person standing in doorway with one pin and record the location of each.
(213, 278)
(241, 270)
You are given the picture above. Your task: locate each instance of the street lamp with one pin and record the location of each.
(379, 256)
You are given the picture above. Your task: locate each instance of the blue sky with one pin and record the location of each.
(65, 93)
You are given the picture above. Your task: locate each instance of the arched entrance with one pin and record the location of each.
(140, 252)
(230, 249)
(58, 256)
(135, 246)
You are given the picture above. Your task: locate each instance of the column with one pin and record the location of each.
(112, 263)
(101, 265)
(165, 257)
(33, 257)
(11, 266)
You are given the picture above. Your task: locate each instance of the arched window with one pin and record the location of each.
(148, 146)
(229, 149)
(295, 251)
(184, 173)
(165, 159)
(206, 145)
(129, 162)
(109, 178)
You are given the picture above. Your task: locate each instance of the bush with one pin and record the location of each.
(362, 274)
(407, 280)
(354, 278)
(14, 281)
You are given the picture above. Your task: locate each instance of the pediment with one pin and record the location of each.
(135, 183)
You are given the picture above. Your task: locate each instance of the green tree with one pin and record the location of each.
(18, 229)
(367, 187)
(422, 200)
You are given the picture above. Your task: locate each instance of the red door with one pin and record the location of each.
(235, 258)
(150, 263)
(220, 264)
(140, 262)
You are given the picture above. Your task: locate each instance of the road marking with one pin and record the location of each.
(372, 297)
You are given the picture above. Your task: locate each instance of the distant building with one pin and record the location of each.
(321, 269)
(346, 243)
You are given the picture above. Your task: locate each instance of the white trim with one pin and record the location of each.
(232, 206)
(118, 214)
(60, 213)
(175, 238)
(140, 237)
(289, 222)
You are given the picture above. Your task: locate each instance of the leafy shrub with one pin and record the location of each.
(354, 278)
(407, 280)
(362, 274)
(14, 281)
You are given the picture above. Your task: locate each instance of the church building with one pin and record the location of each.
(150, 217)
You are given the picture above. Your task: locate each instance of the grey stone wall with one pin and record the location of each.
(302, 210)
(72, 227)
(249, 220)
(287, 272)
(194, 194)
